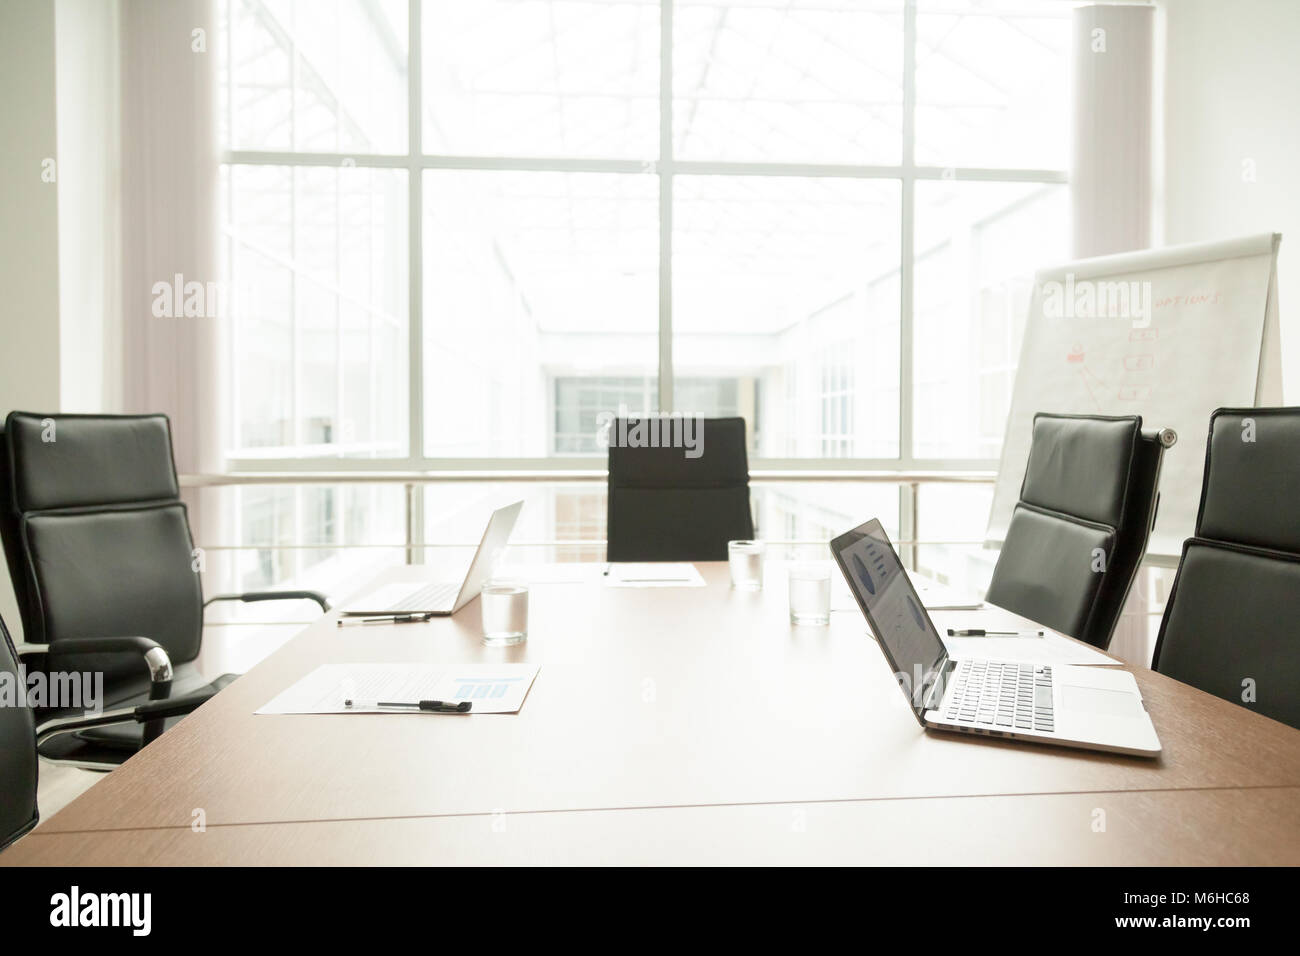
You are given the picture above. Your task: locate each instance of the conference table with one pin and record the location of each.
(671, 725)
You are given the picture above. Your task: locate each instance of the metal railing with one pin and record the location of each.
(908, 482)
(756, 476)
(909, 544)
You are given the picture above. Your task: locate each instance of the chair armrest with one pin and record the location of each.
(174, 707)
(249, 597)
(155, 657)
(154, 712)
(1166, 436)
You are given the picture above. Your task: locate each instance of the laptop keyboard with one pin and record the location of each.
(435, 597)
(1003, 696)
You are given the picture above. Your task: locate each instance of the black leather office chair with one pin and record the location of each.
(1080, 528)
(666, 506)
(18, 741)
(1230, 625)
(102, 563)
(17, 754)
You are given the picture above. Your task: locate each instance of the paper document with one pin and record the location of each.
(654, 574)
(492, 688)
(1049, 649)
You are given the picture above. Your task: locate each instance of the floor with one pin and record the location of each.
(57, 786)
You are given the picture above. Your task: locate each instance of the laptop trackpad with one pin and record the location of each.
(1096, 700)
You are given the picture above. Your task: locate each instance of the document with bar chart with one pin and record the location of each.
(365, 688)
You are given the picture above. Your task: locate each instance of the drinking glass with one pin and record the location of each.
(810, 594)
(505, 612)
(746, 560)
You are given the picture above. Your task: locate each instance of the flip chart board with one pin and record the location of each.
(1169, 334)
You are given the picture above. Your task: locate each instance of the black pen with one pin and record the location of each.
(430, 706)
(385, 619)
(978, 632)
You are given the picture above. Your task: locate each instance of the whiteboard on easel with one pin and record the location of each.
(1169, 334)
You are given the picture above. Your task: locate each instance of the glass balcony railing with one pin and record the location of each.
(333, 532)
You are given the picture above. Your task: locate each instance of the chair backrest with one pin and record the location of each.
(17, 748)
(668, 502)
(97, 538)
(1080, 528)
(1230, 624)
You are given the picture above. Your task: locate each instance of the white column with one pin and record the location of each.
(1112, 180)
(1111, 169)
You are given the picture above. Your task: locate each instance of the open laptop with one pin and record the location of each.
(442, 597)
(1096, 708)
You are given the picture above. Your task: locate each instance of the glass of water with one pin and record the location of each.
(505, 612)
(810, 594)
(746, 560)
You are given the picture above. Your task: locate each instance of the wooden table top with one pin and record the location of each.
(646, 699)
(1153, 828)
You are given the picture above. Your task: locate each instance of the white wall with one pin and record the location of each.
(1232, 108)
(29, 253)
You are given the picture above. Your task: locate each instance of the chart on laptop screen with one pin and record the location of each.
(891, 603)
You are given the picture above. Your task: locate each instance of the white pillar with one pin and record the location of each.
(1112, 181)
(1113, 128)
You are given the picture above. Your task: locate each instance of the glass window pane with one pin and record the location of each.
(808, 514)
(542, 78)
(992, 83)
(977, 248)
(317, 265)
(785, 310)
(316, 75)
(272, 523)
(952, 519)
(540, 307)
(541, 288)
(788, 80)
(560, 522)
(582, 402)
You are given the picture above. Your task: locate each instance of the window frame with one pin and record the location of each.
(415, 161)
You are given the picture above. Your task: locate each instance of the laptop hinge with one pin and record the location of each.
(934, 696)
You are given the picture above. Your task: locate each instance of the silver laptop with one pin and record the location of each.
(442, 597)
(1096, 708)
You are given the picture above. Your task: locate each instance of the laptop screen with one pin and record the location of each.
(893, 609)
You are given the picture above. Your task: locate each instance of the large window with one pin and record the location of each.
(459, 230)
